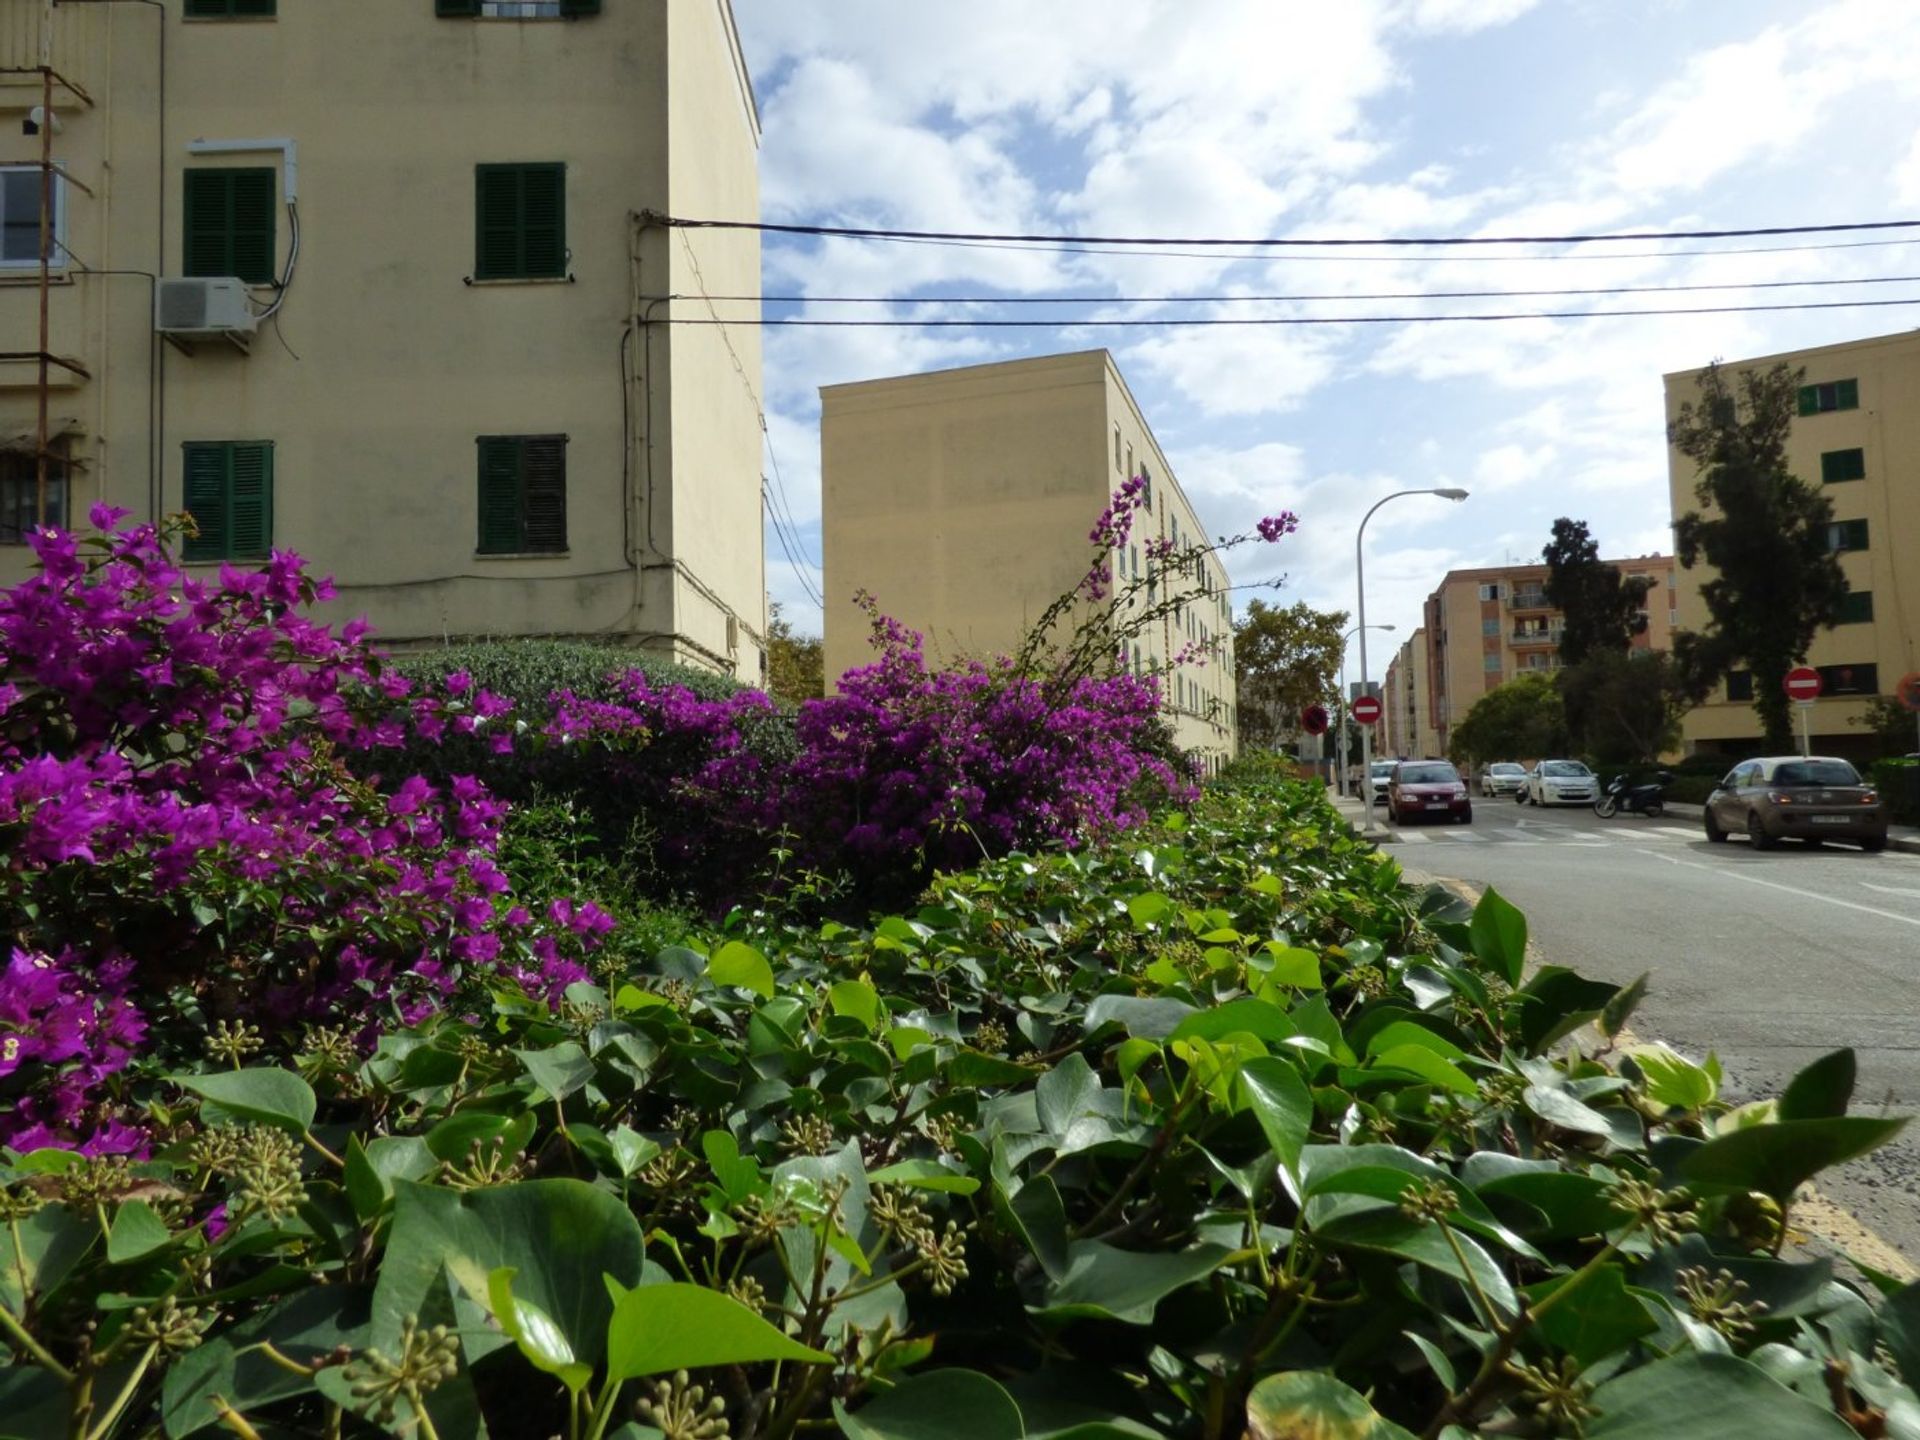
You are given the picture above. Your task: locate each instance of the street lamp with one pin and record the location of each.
(1447, 492)
(1340, 773)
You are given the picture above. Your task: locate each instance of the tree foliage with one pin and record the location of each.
(1600, 605)
(796, 663)
(1623, 709)
(1523, 717)
(1761, 531)
(1283, 660)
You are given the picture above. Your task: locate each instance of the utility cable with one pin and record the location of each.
(1453, 258)
(1226, 299)
(1203, 321)
(799, 573)
(854, 232)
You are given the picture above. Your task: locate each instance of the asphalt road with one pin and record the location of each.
(1770, 959)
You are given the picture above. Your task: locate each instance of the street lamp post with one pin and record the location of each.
(1340, 731)
(1446, 492)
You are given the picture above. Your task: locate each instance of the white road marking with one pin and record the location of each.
(1789, 889)
(1409, 838)
(1890, 889)
(1466, 836)
(1676, 830)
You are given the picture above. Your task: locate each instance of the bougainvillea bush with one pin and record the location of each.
(1217, 1131)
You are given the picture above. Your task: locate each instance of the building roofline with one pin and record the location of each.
(741, 71)
(1489, 572)
(1063, 359)
(1911, 336)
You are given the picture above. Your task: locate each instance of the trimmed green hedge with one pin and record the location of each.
(527, 671)
(1899, 784)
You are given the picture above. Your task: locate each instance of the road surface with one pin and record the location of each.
(1768, 958)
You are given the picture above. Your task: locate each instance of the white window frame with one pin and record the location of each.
(520, 9)
(58, 260)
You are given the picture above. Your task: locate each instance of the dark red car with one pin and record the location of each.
(1423, 789)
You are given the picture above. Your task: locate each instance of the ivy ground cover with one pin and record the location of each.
(1216, 1129)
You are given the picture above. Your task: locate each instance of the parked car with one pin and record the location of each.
(1503, 777)
(1381, 773)
(1815, 798)
(1421, 789)
(1560, 782)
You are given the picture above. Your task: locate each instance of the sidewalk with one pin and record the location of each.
(1903, 838)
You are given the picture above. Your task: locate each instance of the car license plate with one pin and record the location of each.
(1830, 819)
(1436, 804)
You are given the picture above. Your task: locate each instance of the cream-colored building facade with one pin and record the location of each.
(1407, 699)
(466, 406)
(1486, 626)
(1857, 436)
(961, 500)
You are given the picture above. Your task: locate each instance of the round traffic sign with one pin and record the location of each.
(1803, 684)
(1908, 690)
(1313, 719)
(1366, 709)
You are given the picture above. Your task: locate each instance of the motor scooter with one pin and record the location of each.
(1645, 799)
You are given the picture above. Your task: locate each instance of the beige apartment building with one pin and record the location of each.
(1407, 701)
(1857, 435)
(374, 281)
(1486, 626)
(961, 499)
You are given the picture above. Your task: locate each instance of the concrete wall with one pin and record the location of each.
(387, 360)
(961, 499)
(1886, 426)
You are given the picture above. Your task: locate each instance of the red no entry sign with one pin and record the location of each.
(1367, 709)
(1803, 684)
(1313, 719)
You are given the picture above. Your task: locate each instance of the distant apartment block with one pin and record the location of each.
(373, 280)
(1857, 436)
(1407, 697)
(1484, 627)
(961, 499)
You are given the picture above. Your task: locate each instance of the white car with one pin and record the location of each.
(1502, 778)
(1382, 772)
(1560, 782)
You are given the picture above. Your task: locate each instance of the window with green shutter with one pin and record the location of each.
(1833, 395)
(229, 494)
(520, 222)
(1837, 465)
(230, 9)
(1856, 608)
(523, 494)
(230, 223)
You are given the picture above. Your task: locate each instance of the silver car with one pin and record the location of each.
(1560, 782)
(1503, 777)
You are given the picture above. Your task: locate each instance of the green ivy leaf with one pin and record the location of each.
(1280, 1101)
(1707, 1397)
(1777, 1159)
(136, 1232)
(268, 1096)
(1822, 1090)
(737, 963)
(936, 1405)
(1309, 1405)
(1103, 1282)
(660, 1328)
(1500, 936)
(534, 1332)
(858, 999)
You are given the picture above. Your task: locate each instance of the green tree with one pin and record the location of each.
(1764, 534)
(1283, 661)
(1600, 605)
(796, 665)
(1629, 707)
(1522, 718)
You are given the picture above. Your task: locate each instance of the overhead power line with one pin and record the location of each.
(1455, 258)
(1226, 299)
(854, 232)
(1168, 322)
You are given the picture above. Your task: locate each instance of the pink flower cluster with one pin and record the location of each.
(180, 819)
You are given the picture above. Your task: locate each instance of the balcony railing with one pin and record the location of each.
(1527, 600)
(1523, 638)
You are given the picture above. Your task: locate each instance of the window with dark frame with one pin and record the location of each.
(231, 216)
(21, 512)
(1843, 535)
(522, 494)
(1829, 396)
(20, 217)
(1856, 608)
(520, 222)
(228, 489)
(1839, 465)
(515, 9)
(230, 9)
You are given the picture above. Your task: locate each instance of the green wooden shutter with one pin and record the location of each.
(226, 9)
(256, 8)
(205, 487)
(1848, 395)
(1838, 465)
(543, 475)
(1809, 399)
(250, 500)
(543, 220)
(253, 205)
(207, 251)
(500, 528)
(497, 250)
(574, 9)
(456, 9)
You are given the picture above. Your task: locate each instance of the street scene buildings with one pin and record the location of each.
(370, 281)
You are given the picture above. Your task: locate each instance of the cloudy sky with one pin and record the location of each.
(1251, 118)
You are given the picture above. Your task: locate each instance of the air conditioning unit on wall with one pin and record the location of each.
(202, 307)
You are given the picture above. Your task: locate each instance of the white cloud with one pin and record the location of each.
(1465, 15)
(1906, 176)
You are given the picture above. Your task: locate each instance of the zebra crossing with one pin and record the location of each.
(1537, 833)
